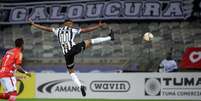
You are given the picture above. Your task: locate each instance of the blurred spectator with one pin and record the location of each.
(2, 51)
(168, 64)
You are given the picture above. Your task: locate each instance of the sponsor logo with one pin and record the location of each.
(195, 56)
(152, 86)
(58, 86)
(167, 86)
(110, 86)
(182, 82)
(191, 58)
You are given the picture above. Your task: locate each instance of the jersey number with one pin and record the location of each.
(7, 58)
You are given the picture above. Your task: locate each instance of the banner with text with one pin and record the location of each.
(90, 10)
(121, 86)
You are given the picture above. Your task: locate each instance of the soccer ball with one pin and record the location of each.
(148, 36)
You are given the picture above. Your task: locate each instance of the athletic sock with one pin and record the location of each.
(75, 79)
(100, 39)
(12, 98)
(4, 96)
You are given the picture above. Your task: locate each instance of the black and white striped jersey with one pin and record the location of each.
(66, 37)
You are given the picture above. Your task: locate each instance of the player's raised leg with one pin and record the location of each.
(88, 44)
(98, 40)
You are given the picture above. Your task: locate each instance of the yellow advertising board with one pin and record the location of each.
(25, 85)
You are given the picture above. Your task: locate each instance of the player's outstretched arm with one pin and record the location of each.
(21, 70)
(92, 28)
(45, 28)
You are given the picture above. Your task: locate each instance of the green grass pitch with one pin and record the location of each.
(92, 100)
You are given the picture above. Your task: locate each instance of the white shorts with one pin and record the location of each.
(9, 83)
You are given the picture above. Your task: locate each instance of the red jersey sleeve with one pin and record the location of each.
(19, 58)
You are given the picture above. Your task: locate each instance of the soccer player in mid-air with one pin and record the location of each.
(66, 35)
(11, 62)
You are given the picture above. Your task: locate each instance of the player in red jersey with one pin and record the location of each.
(11, 62)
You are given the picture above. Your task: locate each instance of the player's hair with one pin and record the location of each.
(169, 56)
(19, 42)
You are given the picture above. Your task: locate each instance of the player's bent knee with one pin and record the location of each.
(72, 70)
(88, 43)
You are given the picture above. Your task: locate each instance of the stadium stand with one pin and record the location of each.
(42, 48)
